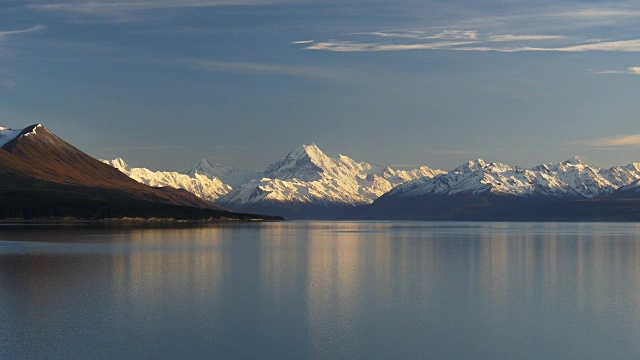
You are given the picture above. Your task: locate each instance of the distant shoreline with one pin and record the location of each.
(131, 220)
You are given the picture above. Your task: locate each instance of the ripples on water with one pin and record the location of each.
(296, 290)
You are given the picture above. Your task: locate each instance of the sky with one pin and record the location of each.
(164, 83)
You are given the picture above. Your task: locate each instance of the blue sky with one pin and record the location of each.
(164, 83)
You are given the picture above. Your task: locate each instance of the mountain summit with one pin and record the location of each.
(307, 183)
(305, 163)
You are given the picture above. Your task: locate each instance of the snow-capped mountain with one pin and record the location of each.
(308, 177)
(570, 179)
(477, 190)
(622, 176)
(228, 175)
(307, 183)
(205, 187)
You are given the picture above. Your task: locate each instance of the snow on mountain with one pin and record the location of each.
(307, 175)
(621, 176)
(7, 135)
(305, 163)
(207, 188)
(228, 175)
(572, 178)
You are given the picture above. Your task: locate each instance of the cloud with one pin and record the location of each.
(342, 46)
(465, 40)
(301, 42)
(107, 6)
(598, 13)
(5, 34)
(541, 27)
(567, 16)
(508, 37)
(609, 46)
(634, 70)
(615, 141)
(618, 46)
(424, 34)
(305, 71)
(122, 11)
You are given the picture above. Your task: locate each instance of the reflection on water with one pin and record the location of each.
(322, 290)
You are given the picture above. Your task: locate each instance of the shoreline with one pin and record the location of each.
(131, 220)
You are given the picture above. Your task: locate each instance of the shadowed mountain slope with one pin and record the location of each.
(41, 175)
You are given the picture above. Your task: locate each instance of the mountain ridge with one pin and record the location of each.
(477, 190)
(307, 183)
(207, 188)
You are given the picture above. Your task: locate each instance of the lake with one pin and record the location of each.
(321, 290)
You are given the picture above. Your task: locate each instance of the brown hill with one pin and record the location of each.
(42, 175)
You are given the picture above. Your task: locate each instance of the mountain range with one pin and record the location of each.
(305, 184)
(568, 191)
(308, 184)
(42, 176)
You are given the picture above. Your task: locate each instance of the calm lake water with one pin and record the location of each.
(322, 290)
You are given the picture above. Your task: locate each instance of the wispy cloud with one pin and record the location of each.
(110, 6)
(566, 16)
(614, 141)
(304, 71)
(423, 34)
(634, 70)
(345, 46)
(298, 42)
(544, 27)
(596, 12)
(484, 43)
(7, 33)
(123, 11)
(508, 37)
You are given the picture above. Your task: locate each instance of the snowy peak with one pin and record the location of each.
(310, 151)
(481, 165)
(471, 166)
(206, 188)
(305, 163)
(571, 178)
(119, 164)
(308, 176)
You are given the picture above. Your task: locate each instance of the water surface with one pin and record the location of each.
(325, 290)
